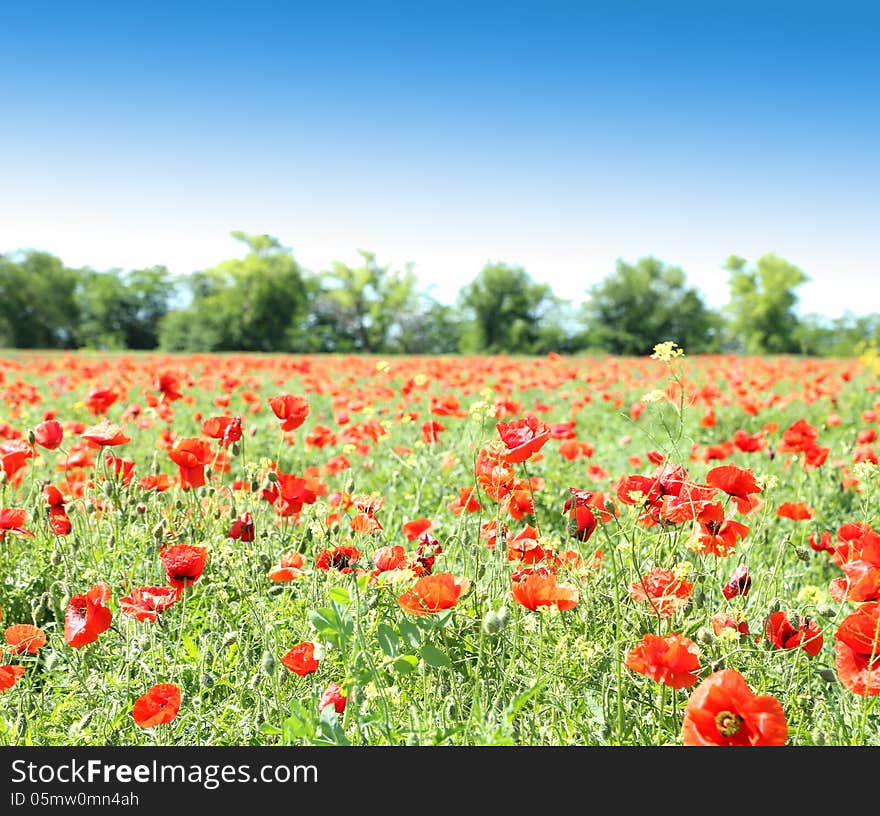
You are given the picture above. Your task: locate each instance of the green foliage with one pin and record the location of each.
(38, 306)
(505, 307)
(266, 302)
(248, 304)
(645, 303)
(118, 311)
(365, 305)
(762, 305)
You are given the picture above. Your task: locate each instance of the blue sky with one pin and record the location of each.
(558, 136)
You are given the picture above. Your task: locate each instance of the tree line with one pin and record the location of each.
(266, 302)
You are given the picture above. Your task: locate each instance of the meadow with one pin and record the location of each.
(263, 550)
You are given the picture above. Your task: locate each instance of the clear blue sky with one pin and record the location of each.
(559, 136)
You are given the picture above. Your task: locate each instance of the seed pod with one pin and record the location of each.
(705, 635)
(828, 675)
(268, 663)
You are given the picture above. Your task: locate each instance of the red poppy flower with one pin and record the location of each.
(860, 563)
(715, 534)
(167, 384)
(105, 434)
(333, 696)
(301, 659)
(341, 558)
(666, 593)
(536, 590)
(523, 437)
(290, 409)
(739, 584)
(466, 502)
(413, 529)
(99, 400)
(184, 564)
(9, 676)
(242, 529)
(191, 455)
(288, 569)
(433, 593)
(673, 660)
(123, 468)
(389, 558)
(723, 710)
(582, 520)
(798, 437)
(12, 521)
(87, 616)
(857, 650)
(147, 603)
(431, 431)
(24, 637)
(158, 706)
(738, 483)
(49, 434)
(747, 442)
(687, 504)
(13, 457)
(789, 632)
(796, 511)
(727, 620)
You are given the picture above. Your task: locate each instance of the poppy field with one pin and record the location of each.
(301, 550)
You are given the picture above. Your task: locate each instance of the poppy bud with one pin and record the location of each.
(3, 478)
(825, 611)
(236, 449)
(32, 438)
(704, 635)
(228, 639)
(142, 508)
(272, 476)
(802, 554)
(349, 485)
(268, 663)
(494, 621)
(255, 486)
(828, 675)
(207, 680)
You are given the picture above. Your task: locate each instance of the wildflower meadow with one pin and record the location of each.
(346, 550)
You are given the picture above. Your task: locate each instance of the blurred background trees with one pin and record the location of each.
(266, 301)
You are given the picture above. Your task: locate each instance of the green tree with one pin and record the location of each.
(122, 310)
(37, 301)
(844, 336)
(504, 308)
(432, 328)
(762, 304)
(256, 303)
(645, 303)
(363, 308)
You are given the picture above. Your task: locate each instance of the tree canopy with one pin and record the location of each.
(265, 301)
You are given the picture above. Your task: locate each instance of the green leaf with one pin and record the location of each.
(434, 657)
(340, 595)
(388, 640)
(518, 702)
(324, 619)
(411, 633)
(191, 649)
(270, 730)
(405, 664)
